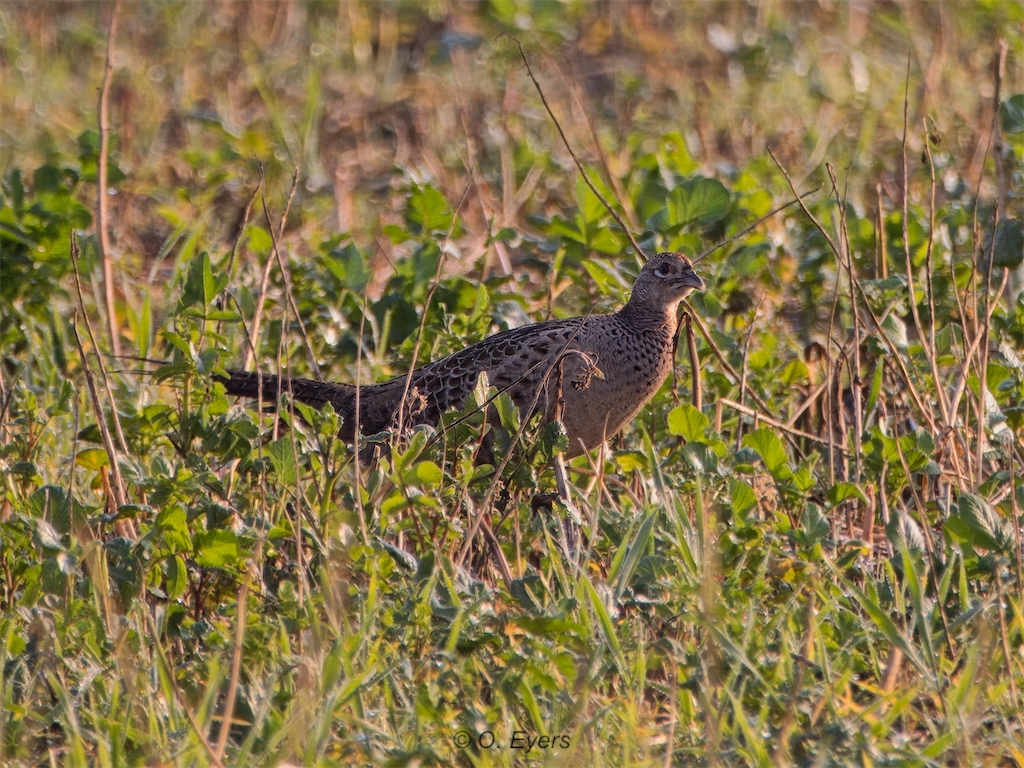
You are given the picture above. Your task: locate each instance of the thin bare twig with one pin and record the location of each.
(241, 228)
(124, 527)
(915, 313)
(236, 664)
(102, 198)
(772, 422)
(426, 307)
(577, 95)
(926, 413)
(575, 159)
(691, 346)
(747, 230)
(285, 273)
(855, 380)
(721, 358)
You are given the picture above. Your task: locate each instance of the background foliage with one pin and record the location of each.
(820, 564)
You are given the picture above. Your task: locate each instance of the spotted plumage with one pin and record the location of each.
(595, 372)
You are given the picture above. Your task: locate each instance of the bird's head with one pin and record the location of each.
(664, 281)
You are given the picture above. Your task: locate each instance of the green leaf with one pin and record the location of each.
(978, 522)
(47, 535)
(815, 527)
(1008, 249)
(394, 501)
(201, 287)
(607, 277)
(591, 208)
(177, 341)
(177, 577)
(803, 477)
(795, 373)
(630, 461)
(742, 497)
(259, 239)
(172, 529)
(768, 445)
(841, 492)
(216, 549)
(282, 456)
(637, 548)
(395, 233)
(902, 531)
(700, 458)
(92, 459)
(1011, 114)
(688, 423)
(51, 504)
(697, 201)
(428, 474)
(428, 211)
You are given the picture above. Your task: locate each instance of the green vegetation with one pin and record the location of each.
(819, 565)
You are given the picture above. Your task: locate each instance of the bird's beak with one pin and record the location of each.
(692, 280)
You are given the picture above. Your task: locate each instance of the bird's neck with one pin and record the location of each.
(647, 318)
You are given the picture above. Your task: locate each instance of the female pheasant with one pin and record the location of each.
(595, 372)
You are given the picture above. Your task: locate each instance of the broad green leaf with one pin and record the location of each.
(978, 522)
(282, 456)
(177, 577)
(903, 532)
(201, 286)
(700, 458)
(769, 446)
(428, 474)
(698, 201)
(259, 239)
(92, 459)
(428, 211)
(47, 535)
(591, 209)
(814, 525)
(841, 492)
(1008, 250)
(1011, 114)
(795, 373)
(172, 529)
(216, 549)
(630, 461)
(394, 501)
(742, 497)
(687, 422)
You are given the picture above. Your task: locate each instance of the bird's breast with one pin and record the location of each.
(625, 371)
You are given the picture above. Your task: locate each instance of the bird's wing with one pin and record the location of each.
(517, 361)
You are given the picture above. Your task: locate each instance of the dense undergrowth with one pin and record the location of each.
(817, 561)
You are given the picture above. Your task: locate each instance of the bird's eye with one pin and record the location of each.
(663, 270)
